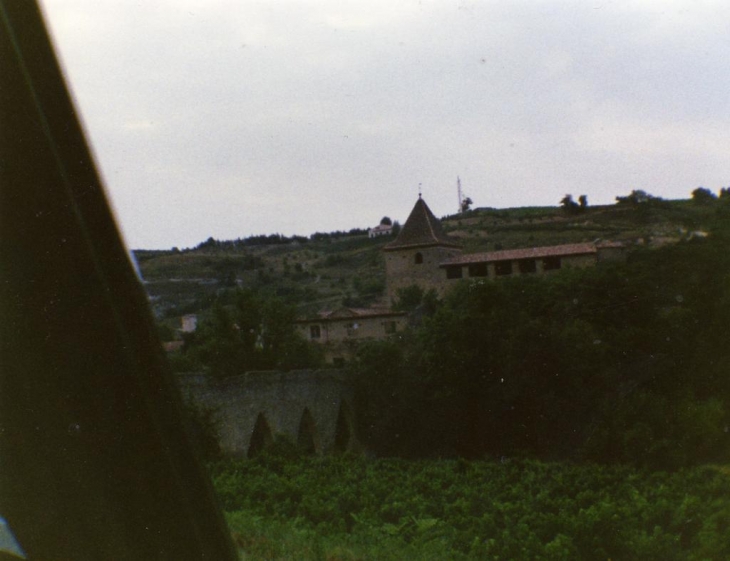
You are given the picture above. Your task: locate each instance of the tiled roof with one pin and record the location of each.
(421, 229)
(344, 313)
(526, 253)
(610, 245)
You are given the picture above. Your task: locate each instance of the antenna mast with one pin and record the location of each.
(458, 189)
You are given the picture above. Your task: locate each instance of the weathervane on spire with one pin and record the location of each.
(419, 190)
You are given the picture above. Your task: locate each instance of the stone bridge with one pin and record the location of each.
(311, 407)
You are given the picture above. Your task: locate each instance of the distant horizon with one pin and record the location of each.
(400, 221)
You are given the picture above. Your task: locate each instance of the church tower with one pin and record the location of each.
(414, 256)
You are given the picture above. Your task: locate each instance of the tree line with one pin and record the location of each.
(618, 363)
(275, 239)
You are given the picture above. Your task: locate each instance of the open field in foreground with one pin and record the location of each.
(343, 508)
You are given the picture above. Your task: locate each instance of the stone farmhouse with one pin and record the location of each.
(424, 255)
(341, 330)
(530, 260)
(380, 230)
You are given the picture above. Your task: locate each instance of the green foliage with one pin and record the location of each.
(702, 195)
(203, 430)
(248, 331)
(637, 197)
(409, 298)
(570, 206)
(188, 280)
(165, 332)
(618, 363)
(350, 508)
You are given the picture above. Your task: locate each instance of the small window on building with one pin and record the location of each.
(419, 258)
(454, 272)
(551, 263)
(478, 270)
(390, 327)
(314, 332)
(352, 329)
(502, 268)
(528, 266)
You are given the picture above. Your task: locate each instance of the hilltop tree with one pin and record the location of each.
(702, 195)
(386, 221)
(637, 197)
(569, 205)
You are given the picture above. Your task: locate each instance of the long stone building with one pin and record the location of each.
(341, 330)
(424, 255)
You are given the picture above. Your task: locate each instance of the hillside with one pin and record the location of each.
(327, 270)
(622, 362)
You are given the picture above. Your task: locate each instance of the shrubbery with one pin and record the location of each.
(618, 363)
(245, 331)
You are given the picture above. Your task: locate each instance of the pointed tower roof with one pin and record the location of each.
(422, 229)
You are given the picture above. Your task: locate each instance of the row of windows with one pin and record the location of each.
(503, 268)
(315, 331)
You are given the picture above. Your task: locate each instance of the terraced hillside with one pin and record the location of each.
(328, 270)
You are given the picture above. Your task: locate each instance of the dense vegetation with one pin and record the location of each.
(580, 415)
(246, 331)
(622, 363)
(341, 508)
(625, 362)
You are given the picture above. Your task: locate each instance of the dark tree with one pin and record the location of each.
(409, 298)
(637, 197)
(702, 195)
(569, 205)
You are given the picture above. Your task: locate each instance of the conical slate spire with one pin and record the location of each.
(422, 229)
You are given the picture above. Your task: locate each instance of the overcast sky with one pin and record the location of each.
(230, 118)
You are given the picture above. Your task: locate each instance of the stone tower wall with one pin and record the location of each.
(401, 269)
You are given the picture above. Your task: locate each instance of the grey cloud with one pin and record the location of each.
(228, 118)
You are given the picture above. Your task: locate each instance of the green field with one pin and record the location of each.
(343, 508)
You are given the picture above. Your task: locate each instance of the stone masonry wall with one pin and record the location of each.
(401, 269)
(282, 399)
